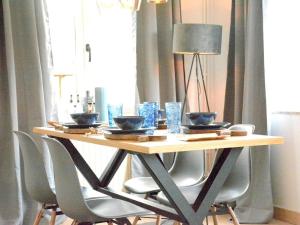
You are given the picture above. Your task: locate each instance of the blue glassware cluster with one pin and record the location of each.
(173, 113)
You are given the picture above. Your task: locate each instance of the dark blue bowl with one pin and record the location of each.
(129, 122)
(205, 118)
(85, 118)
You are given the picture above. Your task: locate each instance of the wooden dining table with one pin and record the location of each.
(148, 154)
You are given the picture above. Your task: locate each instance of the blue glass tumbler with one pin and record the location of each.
(173, 114)
(114, 110)
(149, 110)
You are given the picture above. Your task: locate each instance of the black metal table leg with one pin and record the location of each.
(215, 181)
(112, 167)
(167, 185)
(80, 163)
(187, 214)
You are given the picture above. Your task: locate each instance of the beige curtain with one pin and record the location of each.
(245, 102)
(25, 98)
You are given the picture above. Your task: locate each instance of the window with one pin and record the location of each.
(93, 45)
(96, 45)
(282, 47)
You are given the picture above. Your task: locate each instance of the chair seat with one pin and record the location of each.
(89, 193)
(141, 185)
(227, 194)
(114, 208)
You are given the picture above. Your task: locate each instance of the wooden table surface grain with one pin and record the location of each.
(172, 144)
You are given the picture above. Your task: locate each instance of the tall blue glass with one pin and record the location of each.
(149, 110)
(173, 114)
(114, 111)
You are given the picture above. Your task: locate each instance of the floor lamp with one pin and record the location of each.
(196, 40)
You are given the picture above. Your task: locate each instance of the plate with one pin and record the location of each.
(215, 125)
(80, 126)
(116, 130)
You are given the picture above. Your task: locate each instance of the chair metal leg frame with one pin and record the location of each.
(183, 211)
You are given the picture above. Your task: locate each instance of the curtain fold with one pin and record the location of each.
(25, 94)
(245, 102)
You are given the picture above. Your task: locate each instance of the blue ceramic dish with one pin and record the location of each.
(129, 122)
(204, 118)
(85, 118)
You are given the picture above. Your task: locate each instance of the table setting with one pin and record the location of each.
(151, 123)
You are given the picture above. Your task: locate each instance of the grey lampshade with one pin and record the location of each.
(197, 38)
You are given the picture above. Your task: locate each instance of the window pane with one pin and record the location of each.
(282, 47)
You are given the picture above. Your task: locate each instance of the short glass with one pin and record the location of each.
(114, 110)
(173, 114)
(149, 110)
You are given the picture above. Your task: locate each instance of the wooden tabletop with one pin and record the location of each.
(172, 144)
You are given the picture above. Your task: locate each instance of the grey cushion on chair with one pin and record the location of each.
(236, 184)
(70, 197)
(187, 170)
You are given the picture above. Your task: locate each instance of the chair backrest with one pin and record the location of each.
(67, 185)
(188, 167)
(36, 181)
(239, 177)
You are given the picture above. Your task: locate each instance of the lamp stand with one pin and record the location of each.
(195, 60)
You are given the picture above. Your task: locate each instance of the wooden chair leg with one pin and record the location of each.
(233, 216)
(39, 216)
(214, 216)
(158, 218)
(74, 222)
(136, 219)
(53, 217)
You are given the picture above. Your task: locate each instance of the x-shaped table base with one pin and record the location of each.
(181, 210)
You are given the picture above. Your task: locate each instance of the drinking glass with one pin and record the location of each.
(173, 113)
(114, 110)
(149, 110)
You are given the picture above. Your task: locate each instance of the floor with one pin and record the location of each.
(222, 220)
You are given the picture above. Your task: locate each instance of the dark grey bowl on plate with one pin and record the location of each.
(205, 118)
(129, 122)
(85, 118)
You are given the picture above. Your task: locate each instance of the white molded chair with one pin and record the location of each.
(235, 186)
(187, 170)
(36, 180)
(71, 200)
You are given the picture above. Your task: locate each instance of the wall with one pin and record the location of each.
(285, 161)
(211, 12)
